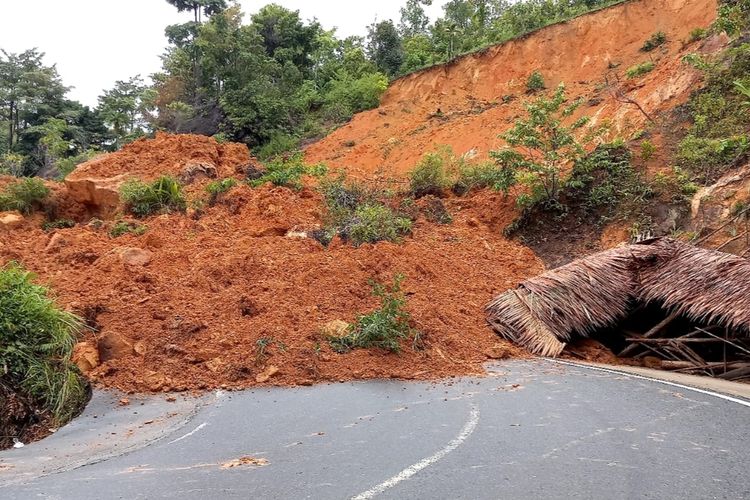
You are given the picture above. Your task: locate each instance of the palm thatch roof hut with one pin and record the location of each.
(545, 313)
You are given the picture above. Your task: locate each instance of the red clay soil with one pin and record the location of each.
(184, 306)
(470, 92)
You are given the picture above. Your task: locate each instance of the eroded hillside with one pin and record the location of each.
(466, 104)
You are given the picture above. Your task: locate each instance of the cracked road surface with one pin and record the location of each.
(530, 429)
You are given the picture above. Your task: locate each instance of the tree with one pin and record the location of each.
(29, 92)
(414, 20)
(124, 109)
(541, 145)
(385, 47)
(199, 7)
(285, 36)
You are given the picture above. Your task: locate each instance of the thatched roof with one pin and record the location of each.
(546, 312)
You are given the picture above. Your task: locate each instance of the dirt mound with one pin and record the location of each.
(466, 104)
(240, 296)
(191, 158)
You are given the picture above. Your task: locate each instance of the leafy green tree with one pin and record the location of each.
(385, 47)
(414, 20)
(199, 8)
(124, 108)
(540, 145)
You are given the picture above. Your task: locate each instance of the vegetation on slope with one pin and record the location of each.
(36, 344)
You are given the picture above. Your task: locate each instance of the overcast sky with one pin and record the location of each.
(96, 42)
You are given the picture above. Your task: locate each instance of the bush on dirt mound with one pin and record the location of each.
(36, 344)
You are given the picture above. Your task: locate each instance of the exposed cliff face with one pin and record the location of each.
(466, 104)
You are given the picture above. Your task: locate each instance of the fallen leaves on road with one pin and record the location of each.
(255, 462)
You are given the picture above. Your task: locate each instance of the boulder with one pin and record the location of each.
(335, 328)
(136, 257)
(101, 193)
(114, 346)
(11, 220)
(85, 356)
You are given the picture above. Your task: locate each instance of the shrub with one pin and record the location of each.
(540, 145)
(647, 150)
(606, 178)
(12, 164)
(535, 82)
(656, 40)
(125, 227)
(697, 34)
(288, 171)
(36, 344)
(23, 195)
(483, 175)
(374, 222)
(164, 195)
(429, 176)
(278, 144)
(356, 94)
(58, 224)
(675, 185)
(385, 327)
(640, 69)
(217, 188)
(706, 158)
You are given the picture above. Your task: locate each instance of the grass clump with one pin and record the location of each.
(706, 157)
(24, 195)
(126, 227)
(483, 175)
(385, 327)
(535, 82)
(164, 195)
(697, 34)
(216, 189)
(36, 345)
(58, 224)
(287, 171)
(676, 185)
(656, 40)
(429, 177)
(359, 215)
(640, 69)
(375, 222)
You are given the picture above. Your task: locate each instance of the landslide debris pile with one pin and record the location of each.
(236, 294)
(467, 103)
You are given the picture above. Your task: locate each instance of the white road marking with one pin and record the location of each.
(189, 433)
(665, 382)
(405, 474)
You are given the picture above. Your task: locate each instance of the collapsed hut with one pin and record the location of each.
(686, 305)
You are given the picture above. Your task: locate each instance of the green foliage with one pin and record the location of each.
(24, 195)
(647, 150)
(540, 145)
(697, 34)
(356, 94)
(164, 195)
(535, 82)
(12, 164)
(429, 176)
(127, 227)
(357, 214)
(36, 344)
(656, 40)
(370, 223)
(58, 224)
(675, 185)
(605, 178)
(287, 171)
(279, 144)
(706, 158)
(384, 328)
(483, 175)
(385, 47)
(734, 16)
(640, 69)
(216, 189)
(66, 165)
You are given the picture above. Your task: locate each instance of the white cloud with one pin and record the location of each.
(96, 42)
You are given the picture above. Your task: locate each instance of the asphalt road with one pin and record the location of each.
(529, 430)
